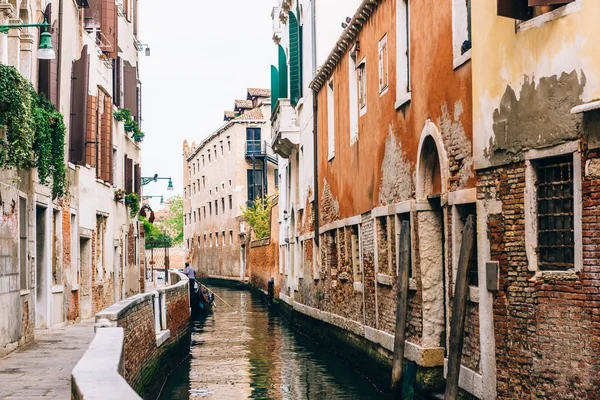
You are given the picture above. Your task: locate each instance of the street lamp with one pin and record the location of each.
(146, 180)
(162, 200)
(45, 49)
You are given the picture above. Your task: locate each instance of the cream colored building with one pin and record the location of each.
(67, 258)
(230, 168)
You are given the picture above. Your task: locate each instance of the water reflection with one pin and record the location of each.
(251, 353)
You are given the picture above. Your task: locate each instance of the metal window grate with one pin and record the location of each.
(556, 244)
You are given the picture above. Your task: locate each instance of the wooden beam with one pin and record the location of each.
(459, 309)
(401, 309)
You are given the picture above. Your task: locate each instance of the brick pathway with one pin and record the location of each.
(42, 370)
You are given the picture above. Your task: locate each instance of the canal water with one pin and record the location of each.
(252, 353)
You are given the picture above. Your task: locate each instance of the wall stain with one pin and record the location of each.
(541, 117)
(458, 146)
(396, 182)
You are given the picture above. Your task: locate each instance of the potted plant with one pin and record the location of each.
(119, 194)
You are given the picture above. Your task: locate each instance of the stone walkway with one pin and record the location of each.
(42, 370)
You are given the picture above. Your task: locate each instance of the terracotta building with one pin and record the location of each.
(65, 257)
(536, 120)
(225, 173)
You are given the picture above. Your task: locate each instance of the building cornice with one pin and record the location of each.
(222, 129)
(362, 15)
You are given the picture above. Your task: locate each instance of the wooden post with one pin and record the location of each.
(401, 309)
(459, 309)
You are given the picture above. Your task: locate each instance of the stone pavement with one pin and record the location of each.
(42, 370)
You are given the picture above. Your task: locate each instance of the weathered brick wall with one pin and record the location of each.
(146, 364)
(368, 265)
(546, 325)
(263, 263)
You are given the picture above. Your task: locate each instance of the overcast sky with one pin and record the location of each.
(204, 55)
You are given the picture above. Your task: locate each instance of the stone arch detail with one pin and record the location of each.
(431, 140)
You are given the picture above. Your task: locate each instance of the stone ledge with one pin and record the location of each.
(162, 337)
(423, 356)
(468, 380)
(113, 312)
(98, 371)
(260, 243)
(384, 279)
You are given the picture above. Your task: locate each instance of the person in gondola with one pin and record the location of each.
(191, 274)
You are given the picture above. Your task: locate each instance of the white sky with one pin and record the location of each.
(203, 57)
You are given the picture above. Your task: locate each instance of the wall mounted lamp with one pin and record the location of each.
(45, 49)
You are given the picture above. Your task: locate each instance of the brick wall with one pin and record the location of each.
(146, 361)
(547, 326)
(263, 263)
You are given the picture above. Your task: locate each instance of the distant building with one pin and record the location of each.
(227, 171)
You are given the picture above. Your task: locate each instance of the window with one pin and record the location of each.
(184, 219)
(222, 151)
(194, 167)
(204, 211)
(230, 202)
(353, 96)
(354, 253)
(210, 192)
(100, 236)
(205, 243)
(230, 237)
(553, 208)
(194, 216)
(253, 139)
(203, 160)
(223, 204)
(216, 189)
(199, 215)
(276, 178)
(204, 182)
(555, 213)
(362, 86)
(527, 9)
(210, 208)
(216, 207)
(223, 185)
(194, 186)
(330, 121)
(255, 184)
(209, 157)
(383, 64)
(402, 52)
(228, 146)
(216, 239)
(23, 224)
(211, 241)
(230, 182)
(223, 238)
(187, 243)
(185, 193)
(461, 31)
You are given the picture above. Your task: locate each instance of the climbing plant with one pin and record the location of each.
(32, 132)
(124, 115)
(259, 217)
(133, 201)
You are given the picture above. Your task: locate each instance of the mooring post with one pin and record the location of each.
(459, 309)
(401, 308)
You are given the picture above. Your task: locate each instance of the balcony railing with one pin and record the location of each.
(285, 129)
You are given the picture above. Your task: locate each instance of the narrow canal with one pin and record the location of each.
(252, 353)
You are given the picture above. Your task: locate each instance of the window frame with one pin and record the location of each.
(330, 120)
(531, 216)
(383, 58)
(461, 21)
(361, 70)
(403, 86)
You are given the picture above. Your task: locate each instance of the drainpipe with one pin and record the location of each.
(313, 12)
(316, 165)
(59, 53)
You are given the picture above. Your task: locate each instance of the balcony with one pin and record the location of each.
(285, 128)
(260, 149)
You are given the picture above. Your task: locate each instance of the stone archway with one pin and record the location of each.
(431, 188)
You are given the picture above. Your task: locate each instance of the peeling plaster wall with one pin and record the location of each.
(396, 180)
(543, 71)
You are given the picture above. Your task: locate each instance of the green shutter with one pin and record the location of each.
(274, 87)
(283, 74)
(295, 68)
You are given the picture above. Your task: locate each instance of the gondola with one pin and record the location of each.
(202, 299)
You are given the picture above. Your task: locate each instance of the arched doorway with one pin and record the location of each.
(432, 173)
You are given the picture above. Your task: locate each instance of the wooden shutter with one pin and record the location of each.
(274, 87)
(533, 3)
(139, 104)
(130, 90)
(515, 9)
(283, 73)
(118, 81)
(138, 178)
(109, 27)
(295, 69)
(105, 164)
(79, 108)
(128, 174)
(48, 69)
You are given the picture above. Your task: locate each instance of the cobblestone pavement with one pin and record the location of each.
(42, 370)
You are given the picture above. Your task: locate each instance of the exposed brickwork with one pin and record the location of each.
(546, 327)
(368, 265)
(263, 264)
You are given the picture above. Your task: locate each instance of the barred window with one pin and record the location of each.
(555, 209)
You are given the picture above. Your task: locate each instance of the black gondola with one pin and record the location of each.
(202, 299)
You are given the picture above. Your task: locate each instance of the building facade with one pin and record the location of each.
(223, 175)
(536, 120)
(68, 256)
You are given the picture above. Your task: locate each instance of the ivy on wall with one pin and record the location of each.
(124, 115)
(32, 132)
